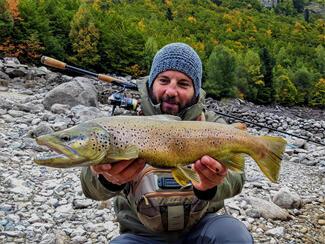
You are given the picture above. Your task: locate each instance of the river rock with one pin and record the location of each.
(42, 129)
(287, 199)
(58, 108)
(267, 210)
(78, 91)
(277, 232)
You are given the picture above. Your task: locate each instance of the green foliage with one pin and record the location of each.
(150, 50)
(286, 91)
(298, 5)
(266, 93)
(249, 76)
(285, 7)
(255, 4)
(6, 21)
(220, 70)
(84, 36)
(303, 81)
(317, 98)
(320, 59)
(122, 36)
(122, 45)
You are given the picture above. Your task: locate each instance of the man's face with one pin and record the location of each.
(174, 90)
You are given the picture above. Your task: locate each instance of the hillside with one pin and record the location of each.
(273, 55)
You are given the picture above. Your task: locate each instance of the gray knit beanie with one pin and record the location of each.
(180, 57)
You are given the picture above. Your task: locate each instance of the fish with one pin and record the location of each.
(163, 141)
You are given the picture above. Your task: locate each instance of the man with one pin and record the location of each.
(150, 210)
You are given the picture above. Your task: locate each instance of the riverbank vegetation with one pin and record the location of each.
(264, 55)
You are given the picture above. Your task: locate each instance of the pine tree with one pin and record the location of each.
(266, 93)
(220, 73)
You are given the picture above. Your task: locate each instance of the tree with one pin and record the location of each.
(303, 81)
(250, 78)
(84, 36)
(122, 45)
(169, 14)
(298, 5)
(320, 59)
(285, 90)
(285, 7)
(220, 70)
(6, 21)
(306, 15)
(317, 97)
(150, 50)
(266, 93)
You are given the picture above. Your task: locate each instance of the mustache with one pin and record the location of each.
(169, 99)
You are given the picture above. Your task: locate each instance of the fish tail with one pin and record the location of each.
(269, 159)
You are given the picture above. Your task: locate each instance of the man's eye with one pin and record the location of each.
(185, 85)
(163, 81)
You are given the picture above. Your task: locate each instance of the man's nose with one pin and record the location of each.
(171, 90)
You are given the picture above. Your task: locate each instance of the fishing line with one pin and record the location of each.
(270, 128)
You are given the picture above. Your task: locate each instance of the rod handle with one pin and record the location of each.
(53, 62)
(106, 78)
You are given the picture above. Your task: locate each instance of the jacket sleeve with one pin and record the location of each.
(98, 189)
(232, 185)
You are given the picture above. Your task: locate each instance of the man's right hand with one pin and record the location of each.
(120, 172)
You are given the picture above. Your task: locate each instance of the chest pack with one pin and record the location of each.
(162, 204)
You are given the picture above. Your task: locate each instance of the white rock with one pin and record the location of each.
(287, 198)
(276, 232)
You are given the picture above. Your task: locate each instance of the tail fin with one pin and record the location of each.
(269, 160)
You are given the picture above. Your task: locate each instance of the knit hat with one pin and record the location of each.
(180, 57)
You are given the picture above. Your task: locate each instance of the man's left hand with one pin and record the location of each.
(210, 171)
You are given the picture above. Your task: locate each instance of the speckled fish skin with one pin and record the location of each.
(163, 143)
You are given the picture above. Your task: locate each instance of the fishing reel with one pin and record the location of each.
(119, 100)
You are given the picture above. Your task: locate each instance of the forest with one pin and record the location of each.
(267, 55)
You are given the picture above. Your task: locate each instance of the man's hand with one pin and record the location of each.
(210, 171)
(120, 172)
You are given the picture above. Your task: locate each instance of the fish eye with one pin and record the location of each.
(65, 138)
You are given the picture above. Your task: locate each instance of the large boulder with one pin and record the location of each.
(78, 91)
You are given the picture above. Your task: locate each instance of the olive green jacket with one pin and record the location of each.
(127, 218)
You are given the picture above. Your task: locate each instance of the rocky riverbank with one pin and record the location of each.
(46, 205)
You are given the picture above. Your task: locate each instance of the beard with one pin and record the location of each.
(171, 105)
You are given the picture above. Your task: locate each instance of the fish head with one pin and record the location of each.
(81, 145)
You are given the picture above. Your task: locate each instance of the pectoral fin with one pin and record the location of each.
(184, 175)
(128, 153)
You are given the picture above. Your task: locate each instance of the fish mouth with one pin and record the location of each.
(61, 156)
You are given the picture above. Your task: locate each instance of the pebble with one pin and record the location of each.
(321, 221)
(277, 232)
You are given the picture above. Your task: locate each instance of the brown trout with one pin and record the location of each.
(163, 141)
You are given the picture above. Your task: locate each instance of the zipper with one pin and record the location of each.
(166, 194)
(146, 171)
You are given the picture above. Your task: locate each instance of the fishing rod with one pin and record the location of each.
(267, 127)
(63, 66)
(118, 99)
